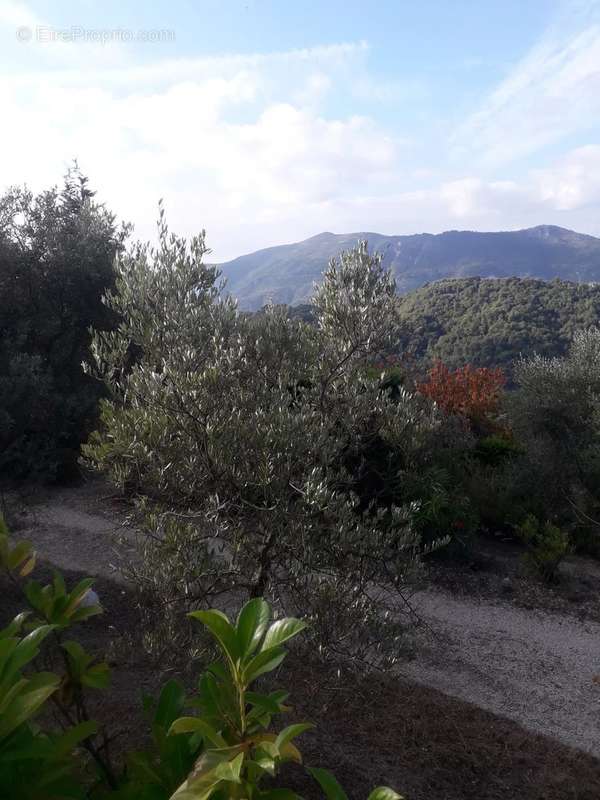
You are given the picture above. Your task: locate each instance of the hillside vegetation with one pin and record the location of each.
(489, 323)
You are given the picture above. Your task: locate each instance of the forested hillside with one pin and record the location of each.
(491, 322)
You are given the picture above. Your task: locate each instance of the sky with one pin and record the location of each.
(268, 121)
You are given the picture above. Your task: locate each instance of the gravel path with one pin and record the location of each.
(76, 529)
(540, 670)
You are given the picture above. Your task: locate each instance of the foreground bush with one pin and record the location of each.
(247, 438)
(227, 750)
(240, 753)
(39, 666)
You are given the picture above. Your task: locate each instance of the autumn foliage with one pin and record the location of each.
(471, 392)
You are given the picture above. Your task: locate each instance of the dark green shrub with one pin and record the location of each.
(546, 544)
(496, 450)
(496, 495)
(445, 513)
(56, 261)
(585, 538)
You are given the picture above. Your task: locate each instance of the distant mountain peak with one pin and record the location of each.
(287, 273)
(323, 235)
(550, 230)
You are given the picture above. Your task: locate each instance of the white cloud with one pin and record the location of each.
(13, 13)
(244, 146)
(236, 144)
(566, 193)
(550, 94)
(574, 183)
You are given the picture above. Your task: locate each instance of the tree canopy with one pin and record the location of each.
(248, 436)
(56, 261)
(491, 322)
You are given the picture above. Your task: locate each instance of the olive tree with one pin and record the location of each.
(556, 413)
(239, 435)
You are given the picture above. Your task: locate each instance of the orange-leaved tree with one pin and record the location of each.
(470, 392)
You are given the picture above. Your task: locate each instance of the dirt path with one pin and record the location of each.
(76, 529)
(540, 670)
(535, 668)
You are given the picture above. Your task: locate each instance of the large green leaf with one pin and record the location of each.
(327, 782)
(197, 725)
(289, 733)
(15, 626)
(78, 658)
(221, 629)
(33, 593)
(230, 770)
(281, 631)
(69, 740)
(6, 697)
(265, 661)
(28, 565)
(21, 552)
(270, 703)
(7, 648)
(85, 612)
(384, 793)
(77, 594)
(26, 650)
(264, 762)
(218, 670)
(210, 696)
(251, 624)
(97, 676)
(141, 766)
(28, 702)
(210, 772)
(170, 704)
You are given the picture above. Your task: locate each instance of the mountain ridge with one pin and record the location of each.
(286, 273)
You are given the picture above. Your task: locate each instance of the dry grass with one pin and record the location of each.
(430, 746)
